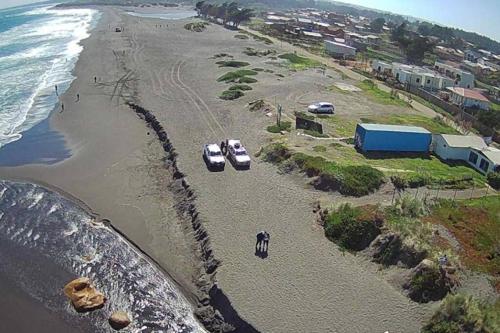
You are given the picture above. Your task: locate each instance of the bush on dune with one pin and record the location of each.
(240, 87)
(232, 63)
(233, 76)
(346, 228)
(231, 94)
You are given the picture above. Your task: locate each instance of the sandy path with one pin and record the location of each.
(306, 284)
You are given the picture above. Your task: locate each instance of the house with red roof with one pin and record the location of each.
(469, 98)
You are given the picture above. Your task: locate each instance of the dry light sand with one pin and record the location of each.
(305, 284)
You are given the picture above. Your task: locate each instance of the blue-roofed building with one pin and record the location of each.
(392, 138)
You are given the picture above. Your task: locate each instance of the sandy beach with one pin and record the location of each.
(117, 168)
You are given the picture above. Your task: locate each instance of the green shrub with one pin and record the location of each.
(460, 313)
(494, 180)
(276, 153)
(196, 26)
(232, 63)
(231, 94)
(399, 182)
(246, 79)
(284, 126)
(427, 285)
(298, 62)
(233, 76)
(240, 87)
(359, 180)
(344, 227)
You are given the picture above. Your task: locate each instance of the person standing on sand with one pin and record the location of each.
(223, 148)
(260, 238)
(77, 97)
(56, 90)
(266, 241)
(62, 107)
(95, 79)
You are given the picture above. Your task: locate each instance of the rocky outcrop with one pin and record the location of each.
(390, 249)
(430, 282)
(119, 320)
(83, 295)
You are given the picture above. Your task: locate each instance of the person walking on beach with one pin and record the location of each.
(56, 90)
(77, 97)
(62, 107)
(223, 148)
(95, 79)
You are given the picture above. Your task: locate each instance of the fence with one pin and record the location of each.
(458, 114)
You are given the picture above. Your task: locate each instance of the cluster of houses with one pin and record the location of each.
(454, 84)
(342, 34)
(395, 138)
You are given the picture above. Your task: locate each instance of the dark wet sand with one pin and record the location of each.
(21, 313)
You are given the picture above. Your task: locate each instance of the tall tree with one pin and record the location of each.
(377, 24)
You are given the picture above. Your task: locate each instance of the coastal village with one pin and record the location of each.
(287, 170)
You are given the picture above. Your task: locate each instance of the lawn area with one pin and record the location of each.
(384, 56)
(299, 63)
(475, 224)
(341, 127)
(431, 167)
(378, 95)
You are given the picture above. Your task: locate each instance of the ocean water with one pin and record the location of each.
(39, 46)
(46, 240)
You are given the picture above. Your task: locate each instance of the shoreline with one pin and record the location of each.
(124, 171)
(208, 300)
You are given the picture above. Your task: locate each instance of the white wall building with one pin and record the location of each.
(468, 98)
(462, 78)
(470, 149)
(339, 49)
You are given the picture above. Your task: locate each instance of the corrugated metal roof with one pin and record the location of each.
(492, 154)
(394, 128)
(464, 141)
(468, 93)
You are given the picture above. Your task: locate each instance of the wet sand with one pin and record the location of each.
(305, 284)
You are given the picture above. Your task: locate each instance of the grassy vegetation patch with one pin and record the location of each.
(258, 69)
(463, 313)
(240, 36)
(232, 63)
(478, 239)
(319, 148)
(231, 94)
(380, 96)
(196, 26)
(236, 75)
(250, 51)
(242, 87)
(284, 126)
(316, 134)
(346, 227)
(299, 63)
(246, 79)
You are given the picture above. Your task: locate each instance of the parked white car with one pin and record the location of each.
(213, 156)
(238, 154)
(321, 107)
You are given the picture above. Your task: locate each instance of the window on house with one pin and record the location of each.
(428, 81)
(473, 157)
(484, 165)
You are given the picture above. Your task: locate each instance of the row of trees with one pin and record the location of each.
(413, 46)
(228, 13)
